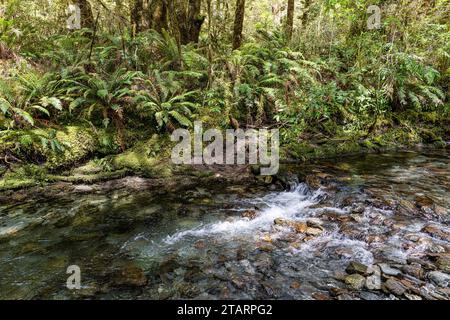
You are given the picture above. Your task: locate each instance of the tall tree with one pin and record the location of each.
(238, 23)
(137, 8)
(189, 20)
(290, 19)
(87, 18)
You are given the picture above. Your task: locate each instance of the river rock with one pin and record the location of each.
(436, 232)
(388, 270)
(314, 223)
(358, 209)
(355, 281)
(299, 227)
(356, 267)
(410, 296)
(313, 181)
(394, 286)
(393, 254)
(313, 231)
(131, 275)
(423, 201)
(373, 282)
(250, 214)
(443, 263)
(82, 188)
(439, 278)
(414, 270)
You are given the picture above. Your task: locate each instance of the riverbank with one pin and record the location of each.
(83, 160)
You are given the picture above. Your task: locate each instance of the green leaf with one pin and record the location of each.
(180, 118)
(41, 109)
(103, 93)
(25, 115)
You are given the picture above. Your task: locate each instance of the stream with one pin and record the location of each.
(387, 216)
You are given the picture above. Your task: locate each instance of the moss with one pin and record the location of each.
(146, 158)
(89, 178)
(79, 143)
(16, 183)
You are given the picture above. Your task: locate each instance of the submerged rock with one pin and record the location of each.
(131, 275)
(250, 214)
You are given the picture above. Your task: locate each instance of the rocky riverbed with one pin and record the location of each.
(369, 227)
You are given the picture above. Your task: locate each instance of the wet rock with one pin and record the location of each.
(393, 254)
(131, 275)
(345, 296)
(320, 296)
(314, 223)
(373, 282)
(250, 214)
(358, 209)
(300, 227)
(281, 222)
(443, 263)
(437, 232)
(414, 270)
(83, 188)
(355, 281)
(388, 270)
(425, 264)
(200, 244)
(369, 296)
(313, 231)
(394, 286)
(410, 296)
(356, 267)
(423, 201)
(439, 278)
(313, 181)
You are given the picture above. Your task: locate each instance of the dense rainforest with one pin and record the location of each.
(105, 82)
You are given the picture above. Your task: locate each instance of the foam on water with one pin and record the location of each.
(285, 205)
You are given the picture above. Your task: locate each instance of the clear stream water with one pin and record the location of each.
(198, 245)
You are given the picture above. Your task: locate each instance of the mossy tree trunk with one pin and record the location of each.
(87, 18)
(290, 19)
(238, 23)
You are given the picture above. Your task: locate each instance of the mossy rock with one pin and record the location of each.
(79, 143)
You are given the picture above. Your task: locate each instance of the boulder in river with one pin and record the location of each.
(443, 263)
(356, 267)
(355, 281)
(388, 270)
(394, 286)
(439, 278)
(436, 231)
(250, 214)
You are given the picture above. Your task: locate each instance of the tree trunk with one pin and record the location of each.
(136, 15)
(86, 16)
(305, 12)
(290, 19)
(238, 23)
(189, 20)
(158, 15)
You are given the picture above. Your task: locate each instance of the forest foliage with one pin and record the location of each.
(142, 67)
